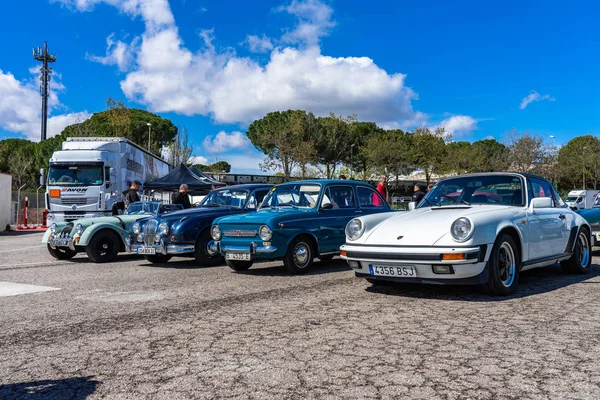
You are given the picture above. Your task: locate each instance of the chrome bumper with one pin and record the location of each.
(70, 244)
(161, 248)
(253, 248)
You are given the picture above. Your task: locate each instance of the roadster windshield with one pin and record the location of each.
(226, 197)
(503, 190)
(142, 207)
(293, 195)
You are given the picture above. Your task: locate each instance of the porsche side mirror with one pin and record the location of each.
(540, 202)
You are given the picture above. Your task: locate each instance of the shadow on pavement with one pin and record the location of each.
(532, 282)
(72, 388)
(21, 233)
(318, 268)
(82, 258)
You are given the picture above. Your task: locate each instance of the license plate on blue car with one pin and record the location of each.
(61, 242)
(237, 256)
(147, 250)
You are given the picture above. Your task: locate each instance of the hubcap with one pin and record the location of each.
(507, 266)
(584, 250)
(301, 253)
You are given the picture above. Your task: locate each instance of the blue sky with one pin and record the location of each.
(477, 68)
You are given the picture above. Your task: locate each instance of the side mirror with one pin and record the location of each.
(327, 206)
(540, 202)
(42, 174)
(412, 205)
(112, 173)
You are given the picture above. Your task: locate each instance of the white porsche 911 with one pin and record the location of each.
(471, 229)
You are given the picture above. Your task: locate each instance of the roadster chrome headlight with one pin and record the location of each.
(215, 232)
(78, 229)
(265, 233)
(355, 229)
(136, 228)
(461, 229)
(163, 229)
(53, 228)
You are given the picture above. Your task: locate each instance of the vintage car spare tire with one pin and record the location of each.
(503, 266)
(62, 253)
(104, 246)
(581, 260)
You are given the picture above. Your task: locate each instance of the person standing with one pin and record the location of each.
(182, 197)
(131, 194)
(418, 194)
(381, 190)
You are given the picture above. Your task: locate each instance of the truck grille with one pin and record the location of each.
(240, 233)
(149, 232)
(78, 201)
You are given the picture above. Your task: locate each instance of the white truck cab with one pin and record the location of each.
(581, 199)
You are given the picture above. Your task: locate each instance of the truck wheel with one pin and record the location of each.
(103, 247)
(239, 266)
(158, 258)
(61, 253)
(299, 256)
(581, 260)
(203, 255)
(503, 267)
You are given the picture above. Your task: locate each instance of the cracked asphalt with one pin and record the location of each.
(133, 330)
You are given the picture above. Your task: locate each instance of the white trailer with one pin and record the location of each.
(581, 199)
(89, 175)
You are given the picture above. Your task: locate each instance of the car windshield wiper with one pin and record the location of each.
(431, 203)
(465, 202)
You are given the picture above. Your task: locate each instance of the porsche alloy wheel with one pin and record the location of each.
(503, 267)
(581, 260)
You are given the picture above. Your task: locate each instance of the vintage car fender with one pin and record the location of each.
(89, 232)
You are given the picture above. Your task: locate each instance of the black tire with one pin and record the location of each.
(299, 256)
(239, 266)
(61, 253)
(503, 266)
(327, 257)
(201, 253)
(158, 258)
(581, 260)
(103, 247)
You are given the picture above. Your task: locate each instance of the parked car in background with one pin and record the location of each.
(296, 222)
(103, 237)
(187, 233)
(472, 229)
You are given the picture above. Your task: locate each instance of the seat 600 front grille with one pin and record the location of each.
(240, 233)
(150, 232)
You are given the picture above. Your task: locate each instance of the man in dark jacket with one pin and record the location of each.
(131, 195)
(418, 195)
(182, 197)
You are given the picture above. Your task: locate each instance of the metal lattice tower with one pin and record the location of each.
(45, 57)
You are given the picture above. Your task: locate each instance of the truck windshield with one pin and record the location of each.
(73, 175)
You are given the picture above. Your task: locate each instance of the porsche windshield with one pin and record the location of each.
(73, 175)
(503, 190)
(226, 197)
(293, 195)
(140, 207)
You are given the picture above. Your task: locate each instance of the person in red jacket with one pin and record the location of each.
(381, 190)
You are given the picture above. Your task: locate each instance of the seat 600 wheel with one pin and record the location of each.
(299, 256)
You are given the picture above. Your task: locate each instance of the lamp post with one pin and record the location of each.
(583, 167)
(149, 130)
(351, 161)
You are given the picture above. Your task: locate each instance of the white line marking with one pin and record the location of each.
(13, 289)
(22, 248)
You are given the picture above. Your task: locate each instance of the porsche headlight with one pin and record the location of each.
(78, 229)
(265, 233)
(215, 232)
(137, 228)
(461, 229)
(354, 229)
(53, 228)
(163, 229)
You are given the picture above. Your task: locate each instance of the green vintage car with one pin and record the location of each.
(101, 238)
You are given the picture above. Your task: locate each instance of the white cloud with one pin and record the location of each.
(259, 44)
(117, 53)
(223, 141)
(20, 108)
(314, 21)
(197, 160)
(534, 96)
(458, 125)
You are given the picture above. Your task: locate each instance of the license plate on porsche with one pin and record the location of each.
(147, 250)
(402, 271)
(237, 256)
(61, 242)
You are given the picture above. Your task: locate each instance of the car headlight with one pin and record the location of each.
(354, 229)
(136, 228)
(78, 229)
(53, 228)
(163, 229)
(215, 232)
(461, 229)
(265, 233)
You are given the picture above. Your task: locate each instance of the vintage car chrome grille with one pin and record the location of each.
(240, 233)
(149, 232)
(66, 232)
(78, 201)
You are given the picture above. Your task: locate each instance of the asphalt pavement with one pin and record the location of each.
(134, 330)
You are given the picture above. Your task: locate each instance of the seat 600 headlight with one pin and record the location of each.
(163, 229)
(355, 229)
(215, 232)
(461, 229)
(265, 233)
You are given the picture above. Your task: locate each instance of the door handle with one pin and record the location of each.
(562, 216)
(357, 212)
